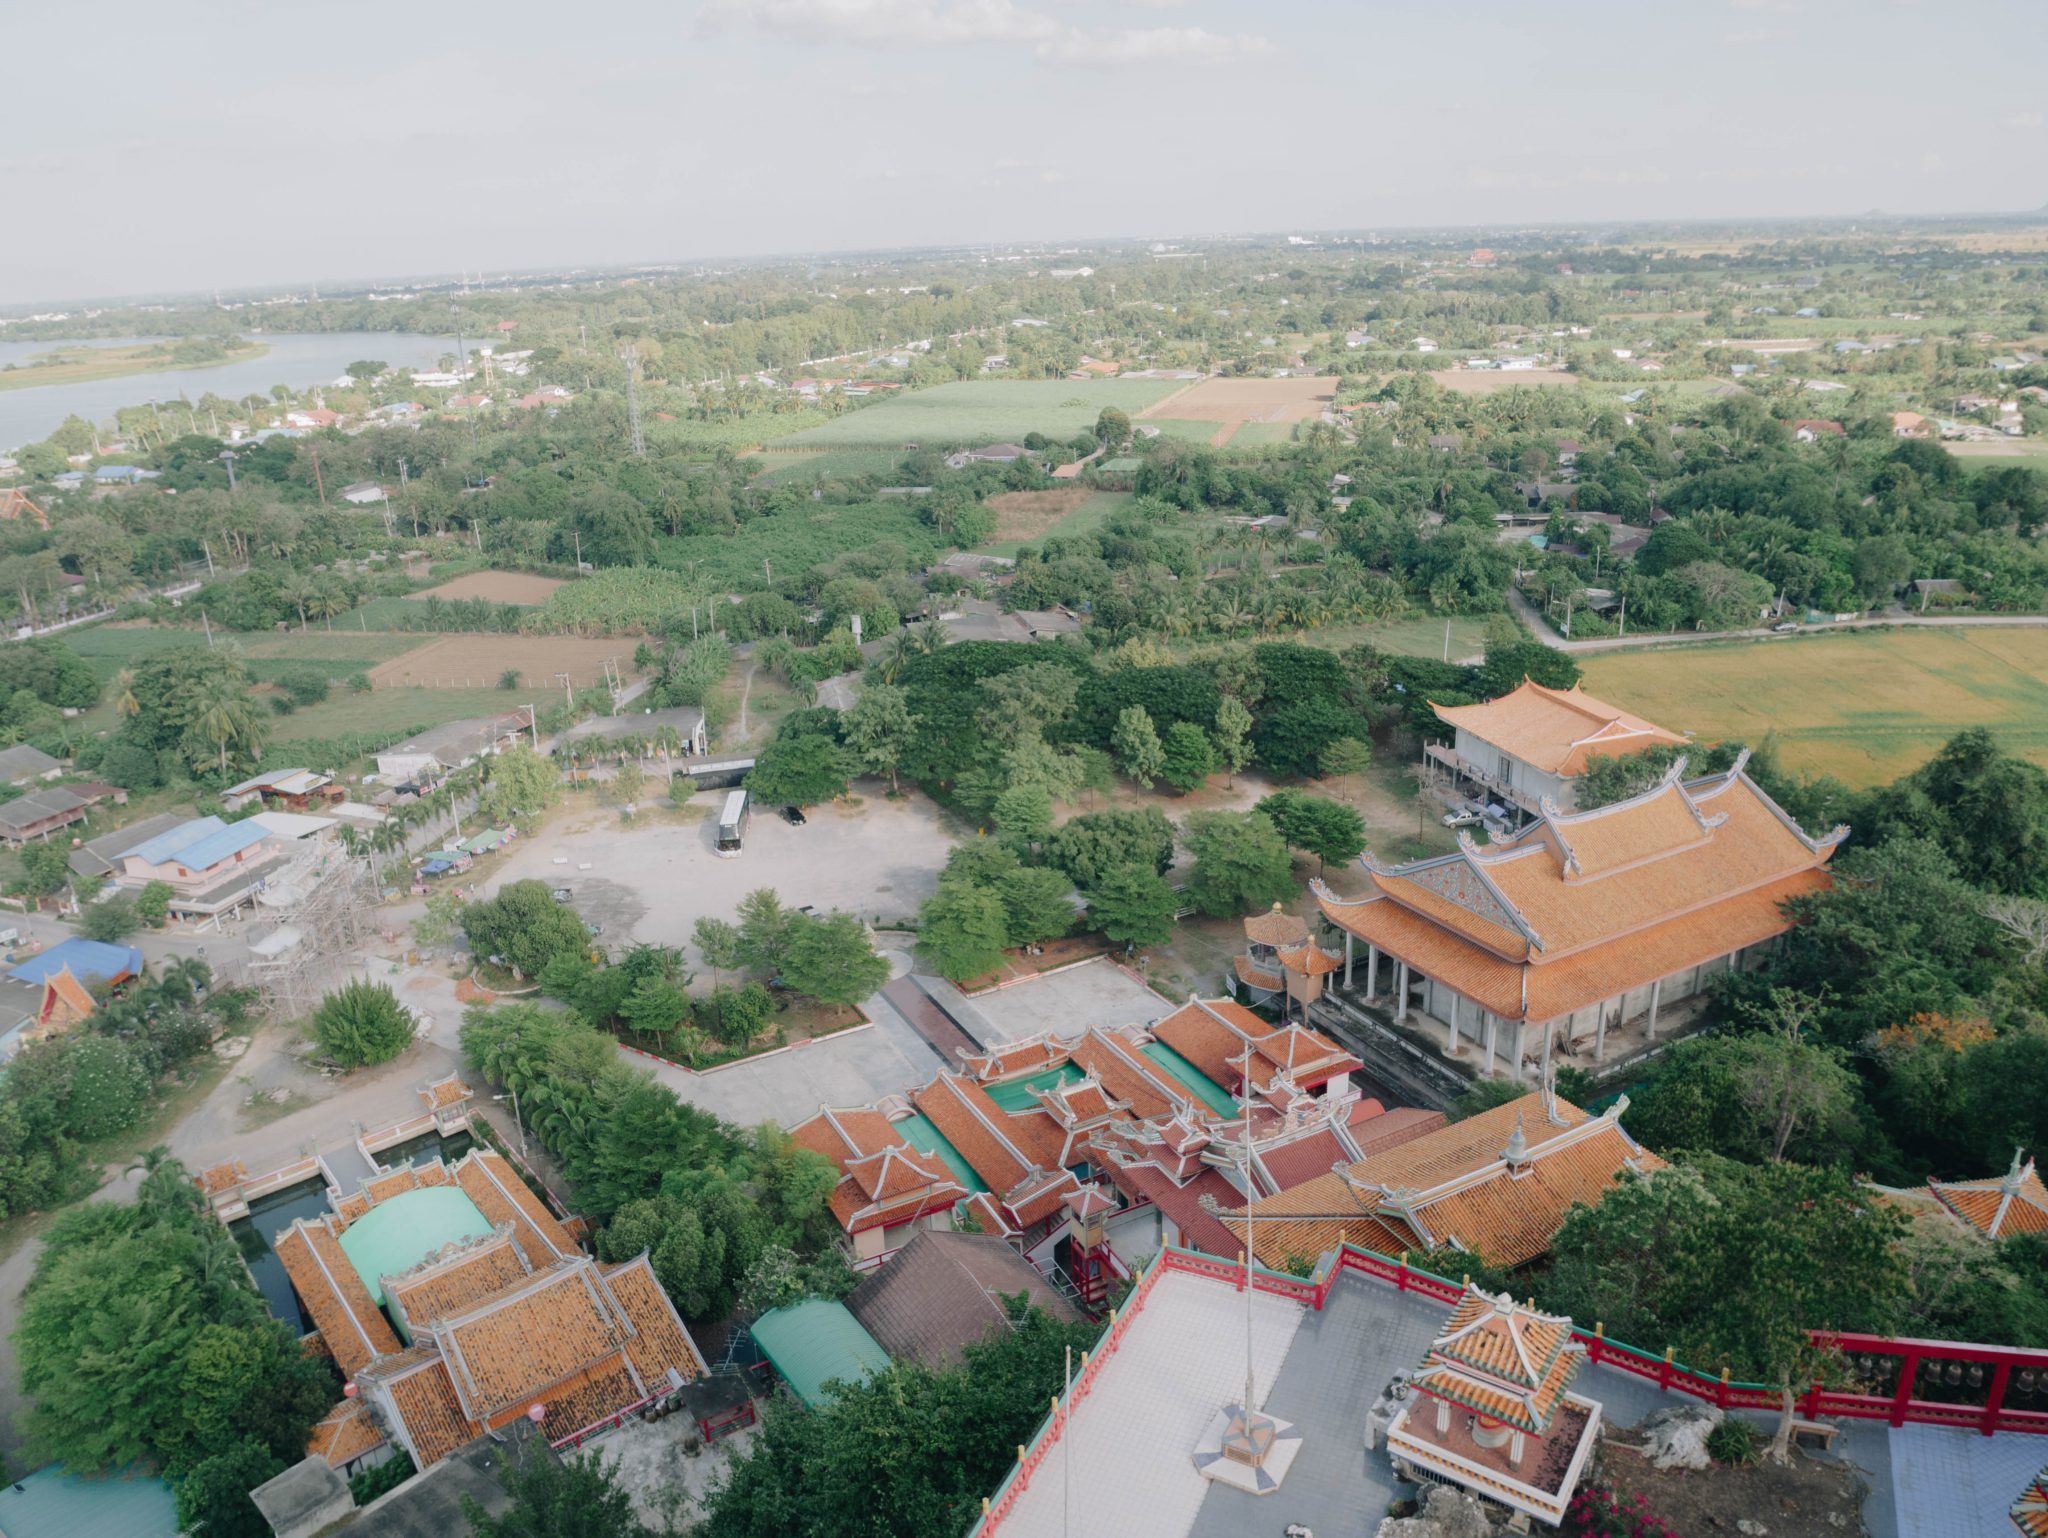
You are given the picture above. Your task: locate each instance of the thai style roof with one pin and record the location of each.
(942, 1292)
(1295, 1163)
(2012, 1203)
(1222, 1039)
(454, 1279)
(502, 1197)
(347, 1317)
(66, 1000)
(2030, 1510)
(446, 1092)
(1276, 927)
(1387, 1130)
(1458, 1186)
(1501, 1359)
(1582, 906)
(1559, 731)
(344, 1434)
(883, 1181)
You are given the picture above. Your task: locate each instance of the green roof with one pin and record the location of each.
(1206, 1089)
(917, 1130)
(814, 1343)
(53, 1504)
(397, 1235)
(1015, 1095)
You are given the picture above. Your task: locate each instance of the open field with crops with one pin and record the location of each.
(1227, 406)
(1025, 517)
(990, 411)
(780, 467)
(1490, 381)
(337, 653)
(810, 536)
(477, 662)
(496, 586)
(1865, 707)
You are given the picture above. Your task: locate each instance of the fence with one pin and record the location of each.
(1898, 1379)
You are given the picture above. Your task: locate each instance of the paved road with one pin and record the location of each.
(1539, 627)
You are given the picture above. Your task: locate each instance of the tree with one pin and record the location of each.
(213, 1497)
(362, 1023)
(1327, 829)
(1293, 739)
(436, 925)
(1112, 429)
(153, 903)
(1345, 759)
(524, 927)
(738, 1015)
(765, 931)
(1089, 846)
(1188, 758)
(1139, 752)
(799, 770)
(1748, 1097)
(578, 1497)
(1233, 735)
(831, 959)
(1038, 904)
(44, 868)
(655, 1007)
(880, 729)
(962, 930)
(1241, 865)
(113, 918)
(1023, 814)
(718, 942)
(522, 786)
(1132, 905)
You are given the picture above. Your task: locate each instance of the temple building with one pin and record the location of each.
(1531, 746)
(1496, 1185)
(1585, 926)
(2012, 1203)
(455, 1303)
(1282, 963)
(1492, 1410)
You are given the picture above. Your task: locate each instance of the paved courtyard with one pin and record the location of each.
(1094, 993)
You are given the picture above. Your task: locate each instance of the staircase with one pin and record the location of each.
(739, 1354)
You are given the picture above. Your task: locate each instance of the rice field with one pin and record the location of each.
(337, 653)
(983, 411)
(1865, 707)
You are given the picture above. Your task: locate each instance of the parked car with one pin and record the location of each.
(793, 815)
(1784, 626)
(1460, 817)
(561, 894)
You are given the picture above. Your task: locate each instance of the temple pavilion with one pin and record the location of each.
(1584, 924)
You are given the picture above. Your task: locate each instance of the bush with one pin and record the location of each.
(362, 1024)
(305, 687)
(524, 928)
(153, 904)
(131, 766)
(1733, 1441)
(509, 679)
(113, 920)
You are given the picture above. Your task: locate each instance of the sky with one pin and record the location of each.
(233, 143)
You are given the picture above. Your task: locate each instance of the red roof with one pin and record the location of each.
(1183, 1204)
(1304, 1159)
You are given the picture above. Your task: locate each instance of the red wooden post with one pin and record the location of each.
(1664, 1372)
(1909, 1369)
(1995, 1400)
(1401, 1276)
(1812, 1399)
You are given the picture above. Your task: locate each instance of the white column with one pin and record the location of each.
(1491, 1022)
(1372, 971)
(1600, 1036)
(1549, 1030)
(1656, 994)
(1515, 1062)
(1401, 991)
(1347, 958)
(1454, 1024)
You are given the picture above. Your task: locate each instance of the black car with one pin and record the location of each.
(793, 815)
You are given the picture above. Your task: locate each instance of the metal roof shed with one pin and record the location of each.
(90, 961)
(814, 1343)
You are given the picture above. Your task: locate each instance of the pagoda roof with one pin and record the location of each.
(2012, 1203)
(1559, 731)
(882, 1179)
(1582, 906)
(1277, 927)
(1217, 1034)
(1501, 1359)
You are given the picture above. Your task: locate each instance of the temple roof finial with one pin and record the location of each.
(1517, 1149)
(2015, 1175)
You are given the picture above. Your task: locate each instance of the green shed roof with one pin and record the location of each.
(1205, 1089)
(53, 1504)
(814, 1343)
(398, 1234)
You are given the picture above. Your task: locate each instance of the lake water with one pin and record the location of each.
(297, 360)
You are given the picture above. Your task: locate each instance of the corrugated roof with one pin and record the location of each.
(942, 1292)
(89, 961)
(814, 1343)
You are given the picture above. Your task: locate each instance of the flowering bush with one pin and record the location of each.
(1597, 1512)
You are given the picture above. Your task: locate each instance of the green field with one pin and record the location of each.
(1192, 431)
(1086, 518)
(1865, 707)
(971, 412)
(388, 711)
(1252, 434)
(779, 468)
(336, 653)
(796, 541)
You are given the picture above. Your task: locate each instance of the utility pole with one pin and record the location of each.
(203, 545)
(318, 479)
(209, 627)
(568, 689)
(633, 401)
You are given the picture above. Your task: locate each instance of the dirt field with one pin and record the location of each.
(497, 586)
(1864, 707)
(1025, 515)
(1233, 402)
(1489, 381)
(475, 661)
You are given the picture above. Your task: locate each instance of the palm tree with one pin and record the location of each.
(124, 693)
(299, 592)
(226, 718)
(327, 599)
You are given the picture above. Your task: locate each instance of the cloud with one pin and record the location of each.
(2021, 120)
(882, 23)
(1775, 7)
(1748, 39)
(1149, 45)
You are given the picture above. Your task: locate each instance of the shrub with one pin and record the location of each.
(1733, 1441)
(306, 687)
(112, 920)
(153, 904)
(509, 679)
(1597, 1512)
(362, 1024)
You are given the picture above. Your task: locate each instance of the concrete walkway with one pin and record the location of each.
(1539, 629)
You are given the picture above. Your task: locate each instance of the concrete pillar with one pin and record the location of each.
(1600, 1037)
(1491, 1023)
(1454, 1024)
(1515, 1063)
(1372, 971)
(1347, 958)
(1656, 994)
(1401, 991)
(1549, 1030)
(1516, 1445)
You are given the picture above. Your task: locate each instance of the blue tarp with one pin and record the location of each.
(436, 867)
(90, 961)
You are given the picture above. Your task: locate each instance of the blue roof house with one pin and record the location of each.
(211, 866)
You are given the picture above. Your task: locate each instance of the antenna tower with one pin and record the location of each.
(633, 401)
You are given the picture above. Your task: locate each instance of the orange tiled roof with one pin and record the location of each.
(972, 1123)
(1115, 1062)
(2012, 1203)
(446, 1092)
(544, 1330)
(450, 1284)
(1311, 960)
(355, 1331)
(66, 1001)
(1559, 731)
(2030, 1511)
(1451, 1185)
(1214, 1035)
(424, 1399)
(501, 1196)
(1275, 927)
(1252, 975)
(883, 1180)
(344, 1434)
(221, 1177)
(1390, 1129)
(1304, 1159)
(660, 1339)
(1502, 1360)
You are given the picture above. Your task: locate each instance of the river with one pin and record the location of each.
(297, 359)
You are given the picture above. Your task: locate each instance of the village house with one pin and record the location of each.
(364, 493)
(1584, 925)
(40, 813)
(1909, 424)
(1808, 429)
(295, 790)
(23, 765)
(64, 977)
(212, 867)
(434, 753)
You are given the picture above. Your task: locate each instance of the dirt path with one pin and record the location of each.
(1540, 629)
(746, 692)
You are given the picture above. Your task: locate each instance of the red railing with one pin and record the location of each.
(1906, 1365)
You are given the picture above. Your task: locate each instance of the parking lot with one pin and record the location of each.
(651, 881)
(1094, 993)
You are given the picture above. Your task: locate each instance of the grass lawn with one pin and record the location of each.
(1414, 636)
(1865, 707)
(971, 412)
(1253, 434)
(1090, 515)
(336, 653)
(388, 710)
(780, 469)
(1175, 427)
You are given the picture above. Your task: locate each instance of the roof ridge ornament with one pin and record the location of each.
(1517, 1150)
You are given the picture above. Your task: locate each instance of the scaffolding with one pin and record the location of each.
(320, 915)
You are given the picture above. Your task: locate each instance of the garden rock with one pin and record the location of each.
(1445, 1514)
(1676, 1438)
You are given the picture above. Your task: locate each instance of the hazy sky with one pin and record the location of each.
(230, 143)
